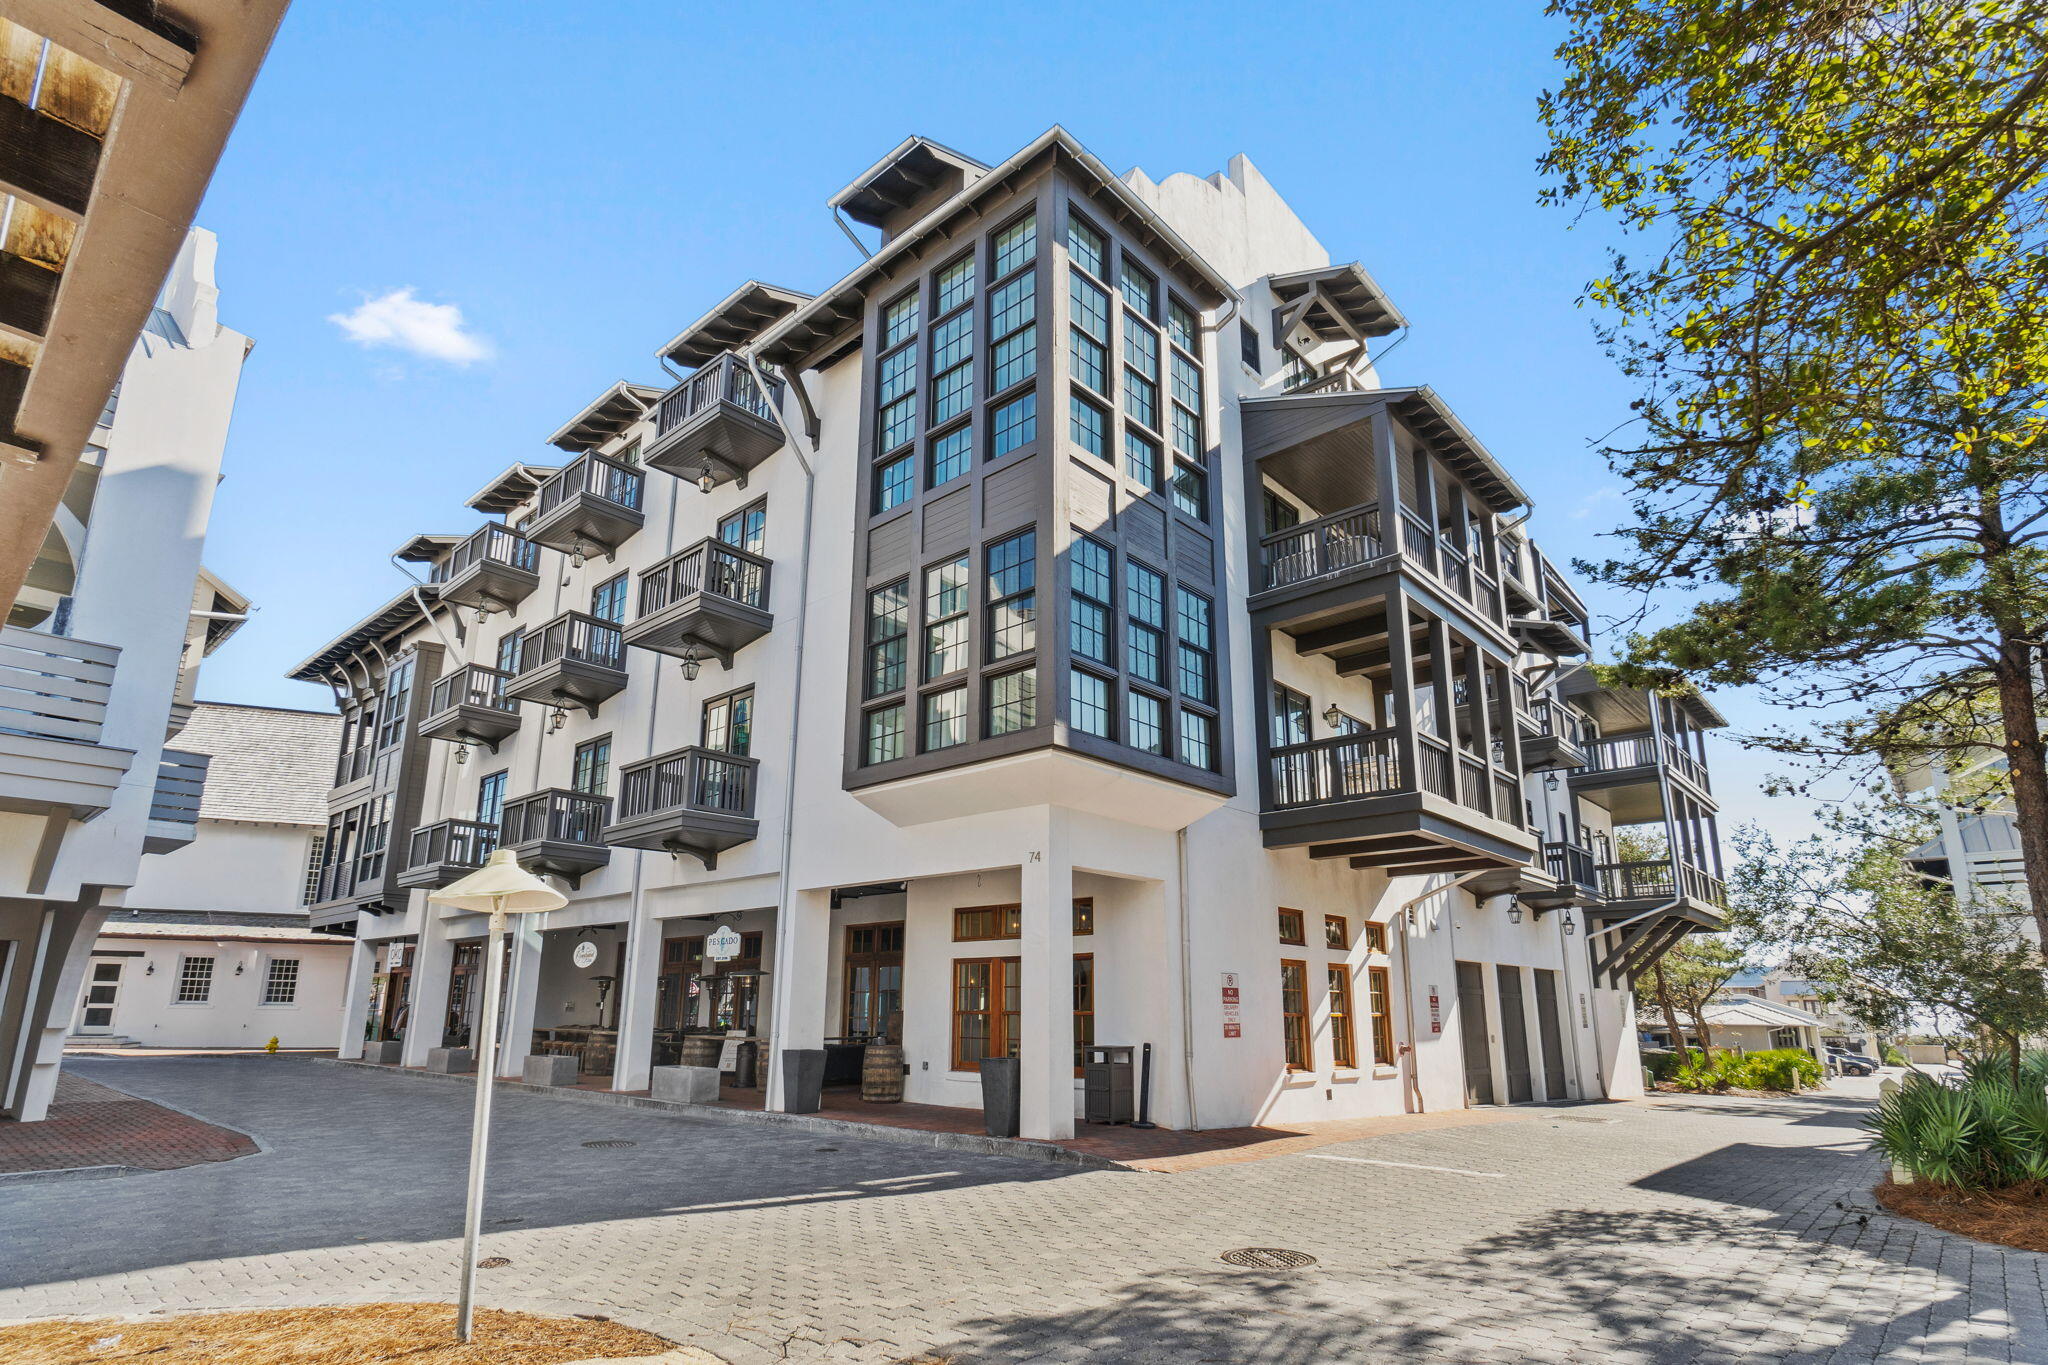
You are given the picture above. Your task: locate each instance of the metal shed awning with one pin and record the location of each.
(511, 488)
(1337, 296)
(735, 320)
(427, 547)
(907, 174)
(617, 408)
(400, 612)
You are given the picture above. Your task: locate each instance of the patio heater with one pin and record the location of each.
(500, 888)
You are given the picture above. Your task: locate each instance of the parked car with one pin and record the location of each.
(1844, 1063)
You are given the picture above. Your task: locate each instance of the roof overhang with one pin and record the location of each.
(732, 322)
(820, 326)
(1338, 302)
(230, 609)
(616, 409)
(511, 488)
(324, 664)
(906, 175)
(427, 547)
(1330, 443)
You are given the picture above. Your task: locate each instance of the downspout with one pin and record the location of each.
(1408, 977)
(420, 600)
(851, 236)
(786, 892)
(1187, 990)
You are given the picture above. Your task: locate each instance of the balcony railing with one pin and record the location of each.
(180, 783)
(1662, 879)
(1572, 864)
(1686, 766)
(53, 687)
(557, 816)
(725, 379)
(1559, 721)
(576, 637)
(710, 566)
(1339, 769)
(471, 685)
(454, 843)
(1325, 546)
(594, 474)
(689, 779)
(1615, 754)
(494, 544)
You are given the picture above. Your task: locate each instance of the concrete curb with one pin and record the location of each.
(811, 1124)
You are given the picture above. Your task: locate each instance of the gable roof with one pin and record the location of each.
(269, 764)
(1757, 1014)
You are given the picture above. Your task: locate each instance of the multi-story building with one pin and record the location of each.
(1052, 634)
(98, 662)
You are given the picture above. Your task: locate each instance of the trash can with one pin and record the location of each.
(1001, 1096)
(1109, 1085)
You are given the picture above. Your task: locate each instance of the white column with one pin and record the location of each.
(433, 962)
(522, 991)
(1046, 998)
(636, 1002)
(355, 999)
(803, 950)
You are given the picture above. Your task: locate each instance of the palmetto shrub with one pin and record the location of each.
(1984, 1134)
(1772, 1069)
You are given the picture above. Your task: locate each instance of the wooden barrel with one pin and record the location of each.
(881, 1074)
(701, 1049)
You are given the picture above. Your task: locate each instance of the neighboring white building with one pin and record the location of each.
(1837, 1030)
(212, 947)
(97, 666)
(1073, 643)
(1751, 1025)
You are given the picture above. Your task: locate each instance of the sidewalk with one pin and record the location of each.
(98, 1128)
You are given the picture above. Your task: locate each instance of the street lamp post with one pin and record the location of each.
(500, 888)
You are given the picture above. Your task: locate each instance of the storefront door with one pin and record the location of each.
(874, 983)
(465, 989)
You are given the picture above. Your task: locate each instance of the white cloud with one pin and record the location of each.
(1604, 494)
(398, 319)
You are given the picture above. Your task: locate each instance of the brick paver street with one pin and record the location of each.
(1681, 1230)
(92, 1125)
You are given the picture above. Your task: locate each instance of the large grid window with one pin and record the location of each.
(956, 284)
(1016, 245)
(1088, 247)
(1382, 1016)
(1088, 425)
(1012, 701)
(1145, 603)
(1141, 458)
(899, 320)
(608, 600)
(591, 767)
(952, 454)
(1182, 326)
(897, 396)
(946, 597)
(1141, 371)
(1089, 584)
(1140, 290)
(1194, 620)
(281, 981)
(1088, 707)
(1089, 335)
(1191, 490)
(1013, 322)
(945, 718)
(1015, 424)
(1197, 739)
(952, 366)
(1343, 1033)
(1012, 596)
(1294, 1013)
(888, 624)
(195, 980)
(1145, 723)
(728, 723)
(884, 727)
(895, 482)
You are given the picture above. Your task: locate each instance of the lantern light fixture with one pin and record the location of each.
(692, 664)
(462, 753)
(1514, 910)
(558, 719)
(1570, 927)
(1332, 716)
(706, 481)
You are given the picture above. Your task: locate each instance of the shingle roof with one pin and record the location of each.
(269, 764)
(1757, 1014)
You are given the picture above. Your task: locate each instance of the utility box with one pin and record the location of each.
(1109, 1087)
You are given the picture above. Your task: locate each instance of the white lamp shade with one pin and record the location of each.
(500, 885)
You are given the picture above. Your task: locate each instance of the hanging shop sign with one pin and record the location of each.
(1233, 1019)
(584, 953)
(394, 956)
(723, 945)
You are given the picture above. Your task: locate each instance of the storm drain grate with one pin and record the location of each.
(493, 1263)
(1268, 1258)
(612, 1142)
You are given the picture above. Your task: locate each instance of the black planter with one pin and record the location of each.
(1002, 1095)
(803, 1079)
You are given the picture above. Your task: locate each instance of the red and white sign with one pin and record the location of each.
(1233, 1020)
(1436, 1012)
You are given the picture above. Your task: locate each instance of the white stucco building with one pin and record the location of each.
(97, 665)
(1051, 634)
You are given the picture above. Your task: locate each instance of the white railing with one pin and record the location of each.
(53, 687)
(180, 783)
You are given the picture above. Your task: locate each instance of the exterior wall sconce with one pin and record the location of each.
(1550, 780)
(462, 753)
(1570, 925)
(557, 720)
(1514, 910)
(238, 969)
(150, 970)
(576, 555)
(706, 481)
(483, 614)
(1332, 716)
(692, 665)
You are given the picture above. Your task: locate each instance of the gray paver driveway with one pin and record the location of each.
(1682, 1231)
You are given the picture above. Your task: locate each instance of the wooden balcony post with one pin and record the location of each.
(1401, 682)
(1386, 458)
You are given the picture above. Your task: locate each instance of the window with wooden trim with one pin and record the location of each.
(590, 770)
(975, 923)
(874, 979)
(1291, 930)
(946, 598)
(1343, 1034)
(1380, 985)
(608, 600)
(1375, 937)
(1336, 932)
(1294, 1013)
(728, 724)
(1012, 573)
(986, 1013)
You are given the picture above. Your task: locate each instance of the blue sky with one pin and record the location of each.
(580, 181)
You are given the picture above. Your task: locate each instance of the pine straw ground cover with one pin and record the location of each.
(2012, 1217)
(368, 1334)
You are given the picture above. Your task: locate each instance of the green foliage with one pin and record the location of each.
(1893, 1057)
(1772, 1069)
(1984, 1134)
(1997, 1068)
(1835, 309)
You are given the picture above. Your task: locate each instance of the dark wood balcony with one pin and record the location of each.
(1642, 884)
(591, 506)
(469, 706)
(1644, 910)
(695, 801)
(447, 851)
(1575, 869)
(573, 660)
(710, 600)
(558, 831)
(1552, 635)
(1359, 796)
(1553, 736)
(1624, 775)
(492, 570)
(717, 424)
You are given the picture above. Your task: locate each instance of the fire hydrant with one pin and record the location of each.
(271, 1046)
